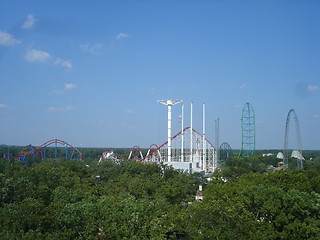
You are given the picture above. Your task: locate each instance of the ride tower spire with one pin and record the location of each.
(169, 103)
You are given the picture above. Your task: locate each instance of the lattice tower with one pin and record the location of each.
(248, 125)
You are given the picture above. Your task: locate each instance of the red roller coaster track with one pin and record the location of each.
(135, 152)
(38, 150)
(61, 142)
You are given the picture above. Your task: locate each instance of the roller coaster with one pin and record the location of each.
(198, 151)
(298, 152)
(50, 149)
(225, 151)
(187, 148)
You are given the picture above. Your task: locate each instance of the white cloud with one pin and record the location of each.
(63, 109)
(129, 111)
(243, 85)
(7, 39)
(69, 86)
(316, 116)
(2, 105)
(237, 106)
(94, 49)
(127, 125)
(63, 63)
(122, 35)
(29, 23)
(312, 88)
(34, 55)
(67, 64)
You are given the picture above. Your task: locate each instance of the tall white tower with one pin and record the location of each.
(191, 133)
(182, 133)
(169, 103)
(204, 147)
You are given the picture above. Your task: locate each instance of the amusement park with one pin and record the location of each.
(189, 149)
(160, 120)
(184, 188)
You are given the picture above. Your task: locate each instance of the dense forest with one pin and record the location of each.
(127, 199)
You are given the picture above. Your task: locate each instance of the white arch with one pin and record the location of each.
(286, 138)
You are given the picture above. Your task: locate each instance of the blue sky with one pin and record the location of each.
(91, 72)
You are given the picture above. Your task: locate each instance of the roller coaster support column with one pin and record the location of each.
(169, 103)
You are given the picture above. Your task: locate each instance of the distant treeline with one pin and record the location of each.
(87, 153)
(95, 153)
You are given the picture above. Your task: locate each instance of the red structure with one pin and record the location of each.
(41, 151)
